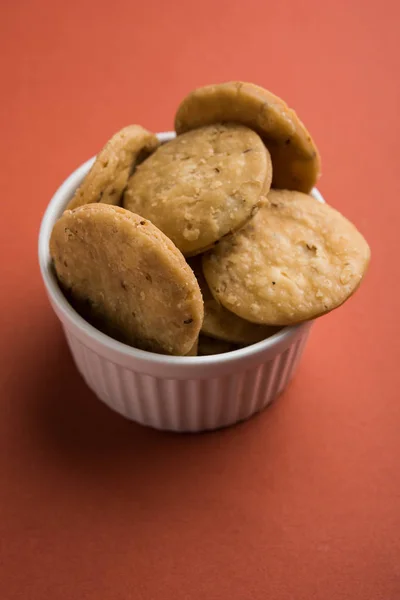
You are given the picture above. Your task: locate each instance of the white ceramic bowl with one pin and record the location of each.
(170, 392)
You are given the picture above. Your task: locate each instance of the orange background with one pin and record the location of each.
(300, 503)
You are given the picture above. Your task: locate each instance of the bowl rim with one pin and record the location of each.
(52, 212)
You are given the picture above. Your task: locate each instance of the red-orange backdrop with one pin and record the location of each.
(300, 503)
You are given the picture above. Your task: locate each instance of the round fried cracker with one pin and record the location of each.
(202, 185)
(295, 260)
(110, 172)
(223, 324)
(295, 158)
(133, 281)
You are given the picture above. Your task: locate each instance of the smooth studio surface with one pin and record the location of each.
(302, 502)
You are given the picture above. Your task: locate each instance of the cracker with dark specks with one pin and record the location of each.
(295, 159)
(127, 278)
(295, 260)
(222, 324)
(202, 185)
(110, 172)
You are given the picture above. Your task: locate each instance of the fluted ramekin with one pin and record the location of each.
(169, 392)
